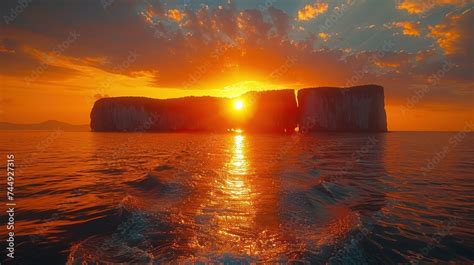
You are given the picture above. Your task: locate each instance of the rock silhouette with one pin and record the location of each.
(319, 109)
(146, 114)
(269, 111)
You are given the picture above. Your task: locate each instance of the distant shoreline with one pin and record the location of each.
(49, 125)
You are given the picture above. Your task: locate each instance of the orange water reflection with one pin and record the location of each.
(237, 201)
(232, 205)
(238, 217)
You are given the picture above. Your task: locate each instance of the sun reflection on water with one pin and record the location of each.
(239, 217)
(237, 200)
(238, 163)
(234, 219)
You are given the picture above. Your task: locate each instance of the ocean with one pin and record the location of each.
(181, 198)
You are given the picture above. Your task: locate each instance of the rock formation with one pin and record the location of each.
(146, 114)
(355, 109)
(269, 111)
(319, 109)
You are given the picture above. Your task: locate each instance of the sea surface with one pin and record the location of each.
(156, 198)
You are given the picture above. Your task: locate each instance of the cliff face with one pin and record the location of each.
(146, 114)
(319, 109)
(359, 108)
(269, 111)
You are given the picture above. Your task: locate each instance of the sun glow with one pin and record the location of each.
(238, 104)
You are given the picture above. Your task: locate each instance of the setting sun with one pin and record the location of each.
(238, 104)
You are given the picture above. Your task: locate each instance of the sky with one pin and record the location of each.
(58, 57)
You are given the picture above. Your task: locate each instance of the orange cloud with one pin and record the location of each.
(3, 49)
(421, 6)
(449, 34)
(386, 64)
(409, 28)
(311, 11)
(445, 39)
(175, 14)
(423, 55)
(324, 36)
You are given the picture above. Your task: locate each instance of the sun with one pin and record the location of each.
(238, 104)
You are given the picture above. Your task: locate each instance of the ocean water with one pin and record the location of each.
(155, 198)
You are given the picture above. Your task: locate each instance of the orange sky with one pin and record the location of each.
(56, 69)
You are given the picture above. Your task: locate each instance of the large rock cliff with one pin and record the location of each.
(269, 111)
(146, 114)
(359, 108)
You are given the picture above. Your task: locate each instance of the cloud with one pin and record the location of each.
(175, 14)
(8, 45)
(421, 6)
(211, 47)
(22, 61)
(309, 12)
(280, 20)
(424, 55)
(409, 28)
(324, 36)
(454, 34)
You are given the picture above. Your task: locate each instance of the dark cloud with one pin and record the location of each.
(454, 36)
(280, 19)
